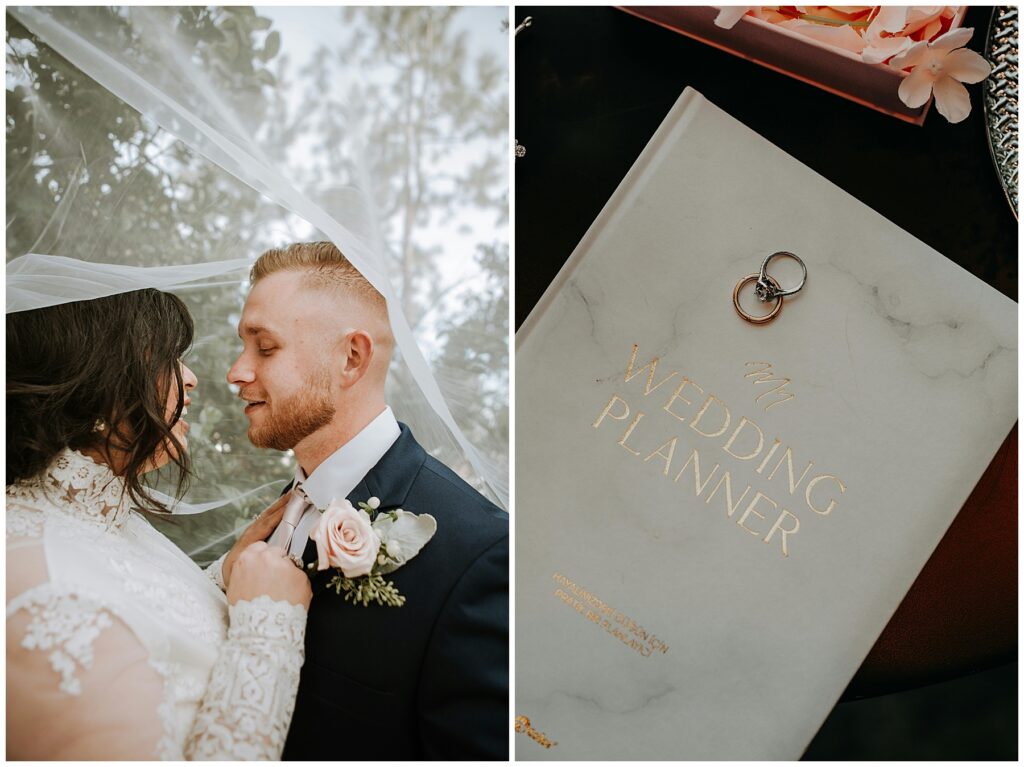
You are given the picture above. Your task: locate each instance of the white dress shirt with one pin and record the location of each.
(341, 471)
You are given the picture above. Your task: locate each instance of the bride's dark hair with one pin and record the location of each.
(111, 360)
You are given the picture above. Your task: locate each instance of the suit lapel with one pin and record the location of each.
(390, 480)
(392, 477)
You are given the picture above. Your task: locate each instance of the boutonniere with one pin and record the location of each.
(365, 544)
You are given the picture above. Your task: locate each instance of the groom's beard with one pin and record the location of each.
(293, 419)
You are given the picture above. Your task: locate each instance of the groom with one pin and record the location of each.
(428, 680)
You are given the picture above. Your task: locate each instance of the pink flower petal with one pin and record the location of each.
(880, 49)
(842, 37)
(891, 18)
(837, 12)
(916, 88)
(966, 66)
(911, 57)
(769, 14)
(921, 16)
(954, 38)
(933, 28)
(951, 99)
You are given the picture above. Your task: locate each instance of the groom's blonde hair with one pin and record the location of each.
(326, 268)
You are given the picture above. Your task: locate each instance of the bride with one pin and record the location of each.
(118, 645)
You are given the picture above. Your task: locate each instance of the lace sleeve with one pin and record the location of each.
(249, 702)
(215, 572)
(81, 685)
(80, 682)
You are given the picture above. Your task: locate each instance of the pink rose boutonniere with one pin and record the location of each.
(364, 544)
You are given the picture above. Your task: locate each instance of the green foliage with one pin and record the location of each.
(367, 588)
(88, 176)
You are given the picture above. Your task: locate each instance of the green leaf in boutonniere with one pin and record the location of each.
(366, 589)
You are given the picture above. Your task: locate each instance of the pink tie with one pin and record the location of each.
(282, 536)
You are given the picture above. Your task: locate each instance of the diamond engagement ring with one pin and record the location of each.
(767, 289)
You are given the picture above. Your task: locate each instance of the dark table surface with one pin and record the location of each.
(592, 86)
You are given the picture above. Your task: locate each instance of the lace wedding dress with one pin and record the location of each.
(119, 647)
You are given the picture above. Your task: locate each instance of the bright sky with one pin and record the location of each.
(304, 30)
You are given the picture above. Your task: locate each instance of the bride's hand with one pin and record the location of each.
(261, 569)
(259, 530)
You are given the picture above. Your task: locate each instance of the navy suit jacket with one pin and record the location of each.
(428, 680)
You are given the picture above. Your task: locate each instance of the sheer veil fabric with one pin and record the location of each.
(168, 147)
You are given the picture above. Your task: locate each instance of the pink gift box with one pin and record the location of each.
(830, 68)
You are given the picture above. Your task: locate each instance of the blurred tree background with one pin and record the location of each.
(403, 103)
(435, 99)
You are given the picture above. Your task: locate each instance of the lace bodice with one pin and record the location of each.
(119, 646)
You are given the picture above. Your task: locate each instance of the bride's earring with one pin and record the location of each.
(100, 425)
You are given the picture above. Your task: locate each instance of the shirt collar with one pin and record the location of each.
(341, 471)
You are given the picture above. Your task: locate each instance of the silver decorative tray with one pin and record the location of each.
(1001, 98)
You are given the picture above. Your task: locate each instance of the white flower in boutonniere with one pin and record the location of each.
(365, 544)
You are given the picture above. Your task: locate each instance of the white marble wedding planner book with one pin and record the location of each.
(715, 520)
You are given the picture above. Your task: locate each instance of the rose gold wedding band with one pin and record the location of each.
(750, 317)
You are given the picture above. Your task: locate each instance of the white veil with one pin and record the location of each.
(168, 147)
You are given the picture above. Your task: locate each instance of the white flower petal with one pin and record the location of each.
(916, 88)
(966, 66)
(911, 57)
(954, 38)
(729, 15)
(952, 99)
(410, 531)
